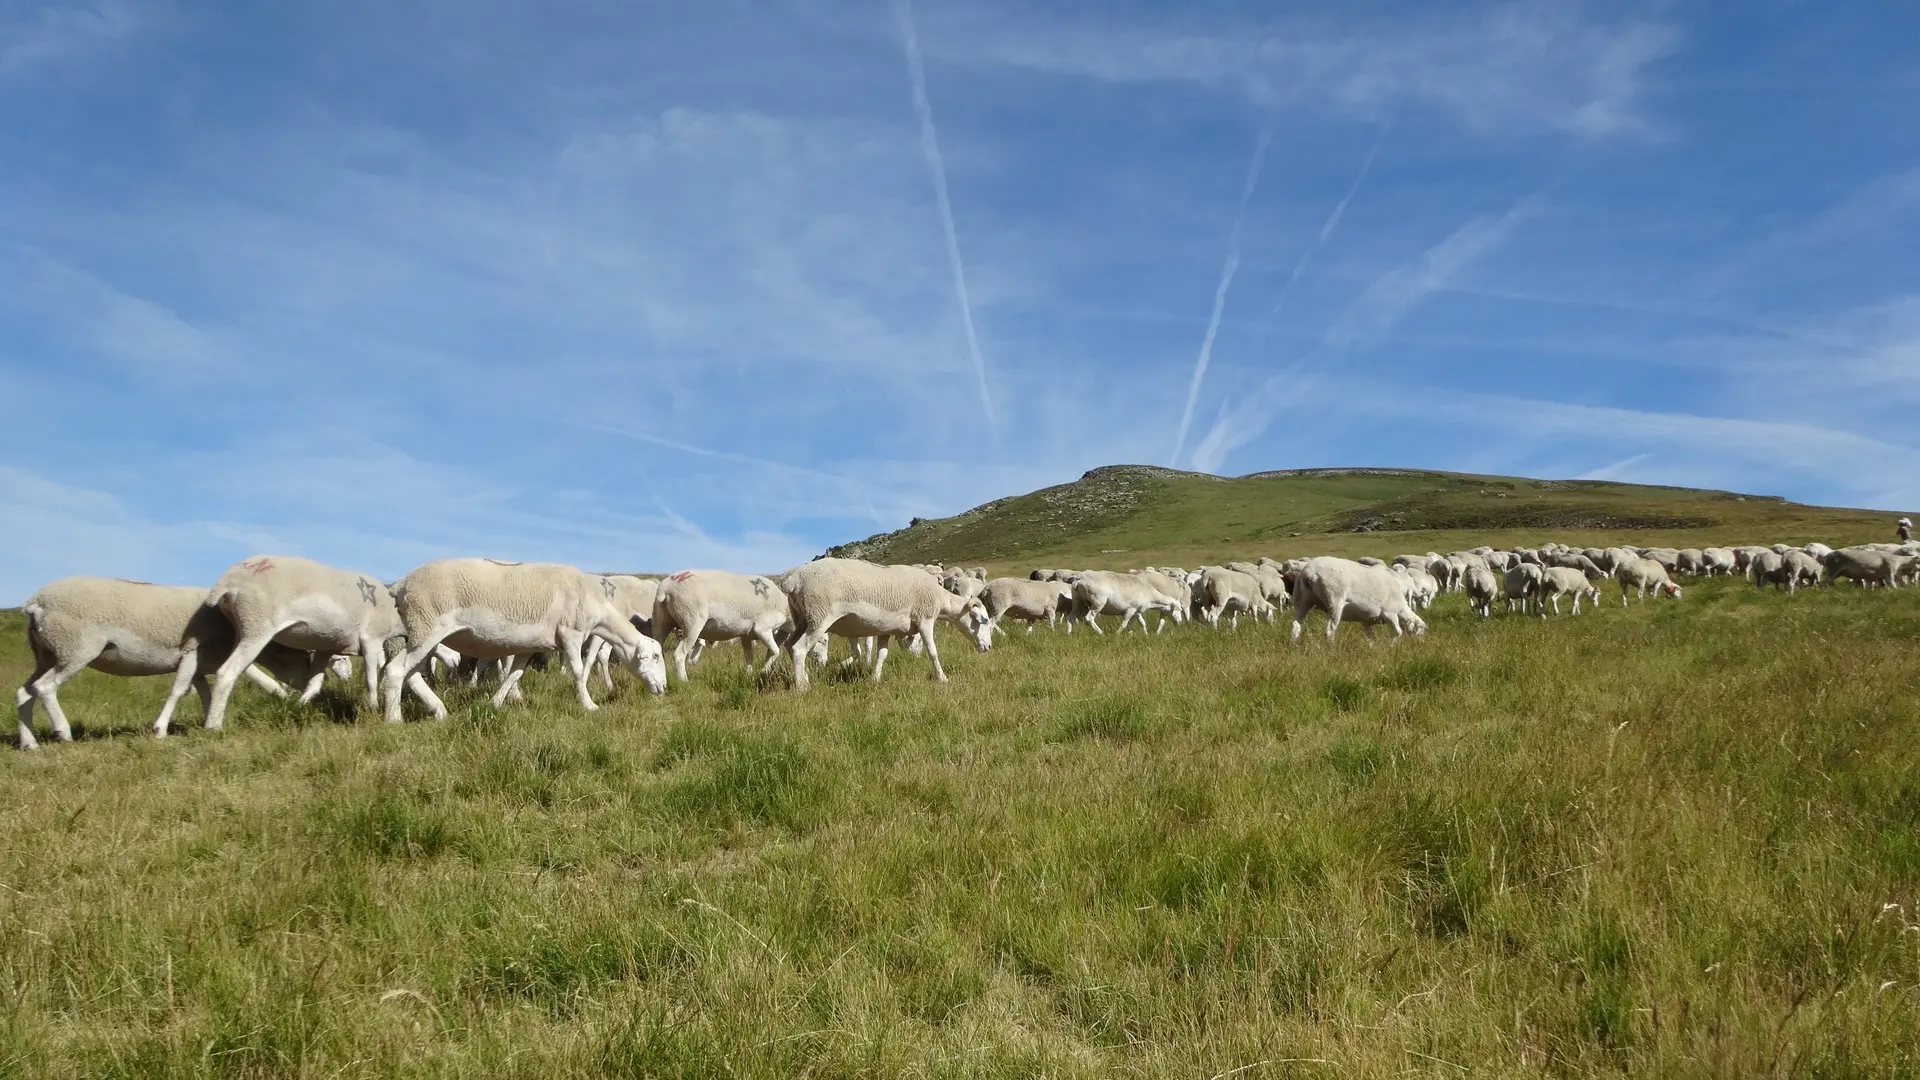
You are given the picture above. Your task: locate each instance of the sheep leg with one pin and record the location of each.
(404, 669)
(244, 654)
(516, 666)
(1091, 620)
(185, 676)
(572, 645)
(879, 654)
(38, 687)
(933, 654)
(689, 641)
(315, 681)
(765, 636)
(803, 645)
(746, 649)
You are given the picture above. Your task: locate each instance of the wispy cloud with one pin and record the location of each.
(35, 36)
(1227, 271)
(1388, 300)
(930, 145)
(1328, 227)
(1367, 321)
(1540, 65)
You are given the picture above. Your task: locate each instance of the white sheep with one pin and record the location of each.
(1717, 561)
(1767, 568)
(1866, 566)
(1345, 589)
(1482, 589)
(1558, 581)
(719, 605)
(133, 628)
(306, 606)
(1130, 596)
(1522, 584)
(495, 610)
(1645, 574)
(1802, 569)
(1219, 591)
(633, 596)
(854, 599)
(1027, 600)
(1421, 586)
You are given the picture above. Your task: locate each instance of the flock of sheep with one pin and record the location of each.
(284, 622)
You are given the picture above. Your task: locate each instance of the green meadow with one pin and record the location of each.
(1681, 839)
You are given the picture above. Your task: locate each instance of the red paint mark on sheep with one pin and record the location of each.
(258, 566)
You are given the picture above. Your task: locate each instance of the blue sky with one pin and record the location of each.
(647, 286)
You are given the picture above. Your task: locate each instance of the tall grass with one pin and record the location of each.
(1683, 839)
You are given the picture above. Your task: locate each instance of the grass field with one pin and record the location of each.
(1678, 840)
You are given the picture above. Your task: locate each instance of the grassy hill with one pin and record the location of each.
(1133, 514)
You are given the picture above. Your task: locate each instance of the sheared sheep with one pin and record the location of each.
(1867, 567)
(1220, 591)
(854, 599)
(499, 610)
(1802, 569)
(633, 596)
(1350, 590)
(719, 605)
(1482, 589)
(1130, 596)
(1522, 584)
(1645, 574)
(1558, 581)
(1027, 600)
(134, 628)
(1766, 568)
(307, 606)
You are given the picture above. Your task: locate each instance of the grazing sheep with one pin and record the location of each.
(1767, 568)
(307, 606)
(1718, 561)
(633, 596)
(1905, 528)
(963, 583)
(1501, 561)
(1522, 584)
(497, 610)
(1558, 581)
(1421, 586)
(1645, 574)
(719, 605)
(134, 628)
(854, 599)
(1220, 591)
(1818, 550)
(1351, 590)
(1130, 596)
(1272, 581)
(1802, 569)
(1668, 558)
(1867, 567)
(1574, 560)
(1027, 600)
(1368, 560)
(1482, 589)
(1690, 561)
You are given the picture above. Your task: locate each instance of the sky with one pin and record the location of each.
(645, 286)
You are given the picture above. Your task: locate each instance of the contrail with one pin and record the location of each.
(1227, 271)
(1333, 219)
(930, 144)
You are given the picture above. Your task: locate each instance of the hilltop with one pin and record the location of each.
(1134, 510)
